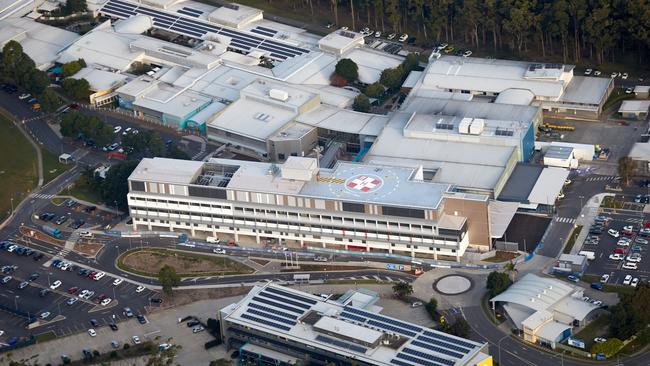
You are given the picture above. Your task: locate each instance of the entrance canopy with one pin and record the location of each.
(548, 186)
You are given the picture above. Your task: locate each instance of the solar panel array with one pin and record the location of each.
(190, 11)
(384, 319)
(450, 339)
(265, 322)
(272, 311)
(264, 31)
(341, 344)
(421, 358)
(195, 28)
(281, 306)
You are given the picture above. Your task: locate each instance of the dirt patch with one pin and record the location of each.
(316, 267)
(263, 262)
(88, 248)
(149, 261)
(501, 256)
(38, 235)
(183, 297)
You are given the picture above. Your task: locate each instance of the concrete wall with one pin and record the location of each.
(478, 222)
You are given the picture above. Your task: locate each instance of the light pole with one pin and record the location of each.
(499, 347)
(48, 279)
(12, 206)
(16, 301)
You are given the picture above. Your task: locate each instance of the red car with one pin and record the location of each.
(620, 250)
(646, 224)
(73, 290)
(92, 274)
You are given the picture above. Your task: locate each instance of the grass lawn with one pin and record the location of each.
(44, 337)
(19, 168)
(51, 166)
(618, 95)
(572, 239)
(81, 190)
(148, 261)
(597, 328)
(611, 202)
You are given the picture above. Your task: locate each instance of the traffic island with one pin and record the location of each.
(452, 285)
(148, 262)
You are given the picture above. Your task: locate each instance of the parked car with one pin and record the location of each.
(635, 282)
(616, 257)
(198, 328)
(600, 340)
(139, 289)
(142, 319)
(136, 339)
(55, 285)
(627, 279)
(72, 300)
(91, 332)
(117, 129)
(573, 278)
(117, 281)
(604, 278)
(630, 265)
(613, 233)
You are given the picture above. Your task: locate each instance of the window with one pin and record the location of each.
(137, 186)
(403, 212)
(353, 207)
(281, 157)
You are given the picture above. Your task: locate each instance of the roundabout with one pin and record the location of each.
(452, 285)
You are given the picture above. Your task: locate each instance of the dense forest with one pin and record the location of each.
(568, 30)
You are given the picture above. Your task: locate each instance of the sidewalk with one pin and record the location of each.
(586, 218)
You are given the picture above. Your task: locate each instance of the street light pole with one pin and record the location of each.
(12, 206)
(16, 301)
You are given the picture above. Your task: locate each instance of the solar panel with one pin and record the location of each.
(278, 305)
(271, 316)
(292, 296)
(272, 311)
(391, 328)
(441, 349)
(353, 317)
(400, 363)
(278, 298)
(450, 339)
(341, 344)
(444, 344)
(265, 322)
(429, 356)
(394, 322)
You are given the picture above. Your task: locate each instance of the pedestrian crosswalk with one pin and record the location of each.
(43, 196)
(566, 220)
(601, 178)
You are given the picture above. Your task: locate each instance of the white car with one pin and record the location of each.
(126, 131)
(12, 248)
(45, 315)
(597, 73)
(391, 36)
(623, 243)
(98, 276)
(72, 300)
(634, 258)
(614, 74)
(55, 285)
(403, 37)
(117, 281)
(588, 72)
(139, 289)
(164, 346)
(117, 129)
(629, 91)
(377, 34)
(467, 53)
(344, 28)
(604, 278)
(627, 280)
(136, 339)
(613, 233)
(630, 265)
(218, 251)
(92, 332)
(83, 294)
(65, 266)
(616, 257)
(641, 241)
(597, 303)
(86, 234)
(628, 228)
(106, 301)
(635, 282)
(24, 96)
(624, 76)
(600, 340)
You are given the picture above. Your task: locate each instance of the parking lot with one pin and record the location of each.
(72, 212)
(64, 319)
(608, 245)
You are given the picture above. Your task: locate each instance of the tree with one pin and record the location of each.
(432, 308)
(402, 289)
(609, 348)
(511, 268)
(72, 67)
(497, 282)
(115, 186)
(625, 169)
(50, 100)
(374, 90)
(348, 69)
(75, 6)
(459, 328)
(168, 279)
(391, 78)
(361, 103)
(76, 88)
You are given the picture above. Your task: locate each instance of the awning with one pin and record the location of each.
(552, 332)
(501, 214)
(548, 186)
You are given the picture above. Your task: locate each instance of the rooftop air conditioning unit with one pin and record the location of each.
(278, 94)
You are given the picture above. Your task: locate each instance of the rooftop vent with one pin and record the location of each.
(278, 94)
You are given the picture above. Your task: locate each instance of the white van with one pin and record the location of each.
(212, 239)
(590, 255)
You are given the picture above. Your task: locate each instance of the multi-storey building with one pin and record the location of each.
(351, 206)
(275, 325)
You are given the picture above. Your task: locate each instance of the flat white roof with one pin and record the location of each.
(347, 329)
(548, 186)
(501, 214)
(104, 47)
(344, 120)
(172, 171)
(172, 101)
(642, 89)
(552, 331)
(460, 73)
(100, 80)
(634, 106)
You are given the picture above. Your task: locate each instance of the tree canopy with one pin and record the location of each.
(632, 313)
(361, 103)
(402, 289)
(19, 67)
(497, 282)
(50, 100)
(89, 128)
(75, 6)
(78, 89)
(168, 279)
(347, 69)
(115, 186)
(72, 67)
